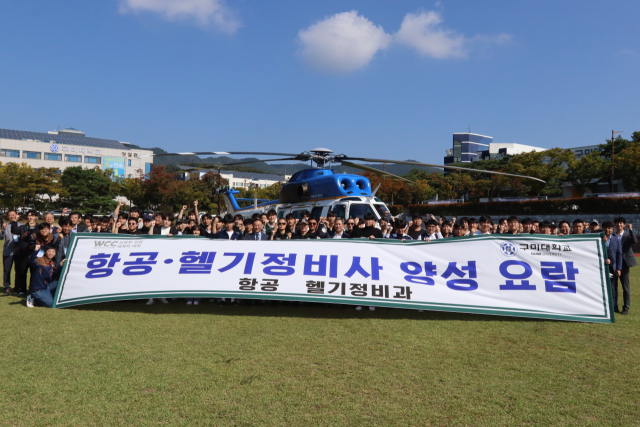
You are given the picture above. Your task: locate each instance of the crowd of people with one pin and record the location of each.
(40, 248)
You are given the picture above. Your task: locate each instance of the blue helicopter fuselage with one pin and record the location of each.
(312, 188)
(318, 184)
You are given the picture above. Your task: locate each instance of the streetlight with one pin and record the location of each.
(613, 144)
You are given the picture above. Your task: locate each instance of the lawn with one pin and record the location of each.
(131, 364)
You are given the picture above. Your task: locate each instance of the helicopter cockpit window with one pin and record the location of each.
(358, 210)
(281, 213)
(298, 213)
(380, 209)
(339, 210)
(316, 212)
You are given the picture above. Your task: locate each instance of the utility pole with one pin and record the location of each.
(613, 144)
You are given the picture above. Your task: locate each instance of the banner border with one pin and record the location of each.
(606, 317)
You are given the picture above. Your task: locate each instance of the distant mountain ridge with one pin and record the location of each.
(278, 168)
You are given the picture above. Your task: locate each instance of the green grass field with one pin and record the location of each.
(176, 365)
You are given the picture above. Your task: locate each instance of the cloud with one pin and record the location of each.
(347, 41)
(422, 31)
(342, 43)
(204, 12)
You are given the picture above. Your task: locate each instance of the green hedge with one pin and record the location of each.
(590, 205)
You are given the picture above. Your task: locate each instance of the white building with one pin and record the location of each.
(244, 180)
(70, 147)
(498, 150)
(473, 147)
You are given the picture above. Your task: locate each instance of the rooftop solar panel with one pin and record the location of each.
(62, 139)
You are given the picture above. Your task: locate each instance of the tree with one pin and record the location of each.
(549, 166)
(271, 192)
(159, 188)
(583, 174)
(391, 190)
(215, 184)
(132, 188)
(49, 182)
(452, 186)
(492, 187)
(89, 190)
(627, 165)
(17, 184)
(421, 191)
(619, 144)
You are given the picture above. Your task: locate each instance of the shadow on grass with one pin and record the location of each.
(315, 311)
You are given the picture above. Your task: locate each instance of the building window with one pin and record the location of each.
(10, 153)
(72, 158)
(52, 156)
(129, 162)
(147, 168)
(90, 159)
(31, 155)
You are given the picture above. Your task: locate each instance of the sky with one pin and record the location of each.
(385, 79)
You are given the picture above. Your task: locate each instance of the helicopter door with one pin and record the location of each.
(339, 210)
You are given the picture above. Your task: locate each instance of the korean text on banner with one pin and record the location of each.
(529, 276)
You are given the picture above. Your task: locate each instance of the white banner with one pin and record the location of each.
(530, 275)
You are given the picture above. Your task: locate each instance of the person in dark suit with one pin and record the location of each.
(11, 235)
(338, 231)
(627, 239)
(614, 250)
(228, 233)
(257, 232)
(76, 222)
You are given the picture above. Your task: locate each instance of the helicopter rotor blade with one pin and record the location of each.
(377, 171)
(221, 153)
(261, 161)
(363, 159)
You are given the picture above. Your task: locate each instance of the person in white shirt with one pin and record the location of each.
(338, 231)
(432, 230)
(464, 223)
(485, 226)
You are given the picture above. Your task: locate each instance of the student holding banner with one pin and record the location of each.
(64, 238)
(338, 231)
(44, 276)
(228, 233)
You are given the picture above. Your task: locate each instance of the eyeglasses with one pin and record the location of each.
(282, 223)
(313, 223)
(351, 223)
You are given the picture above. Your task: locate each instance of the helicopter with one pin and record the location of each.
(321, 190)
